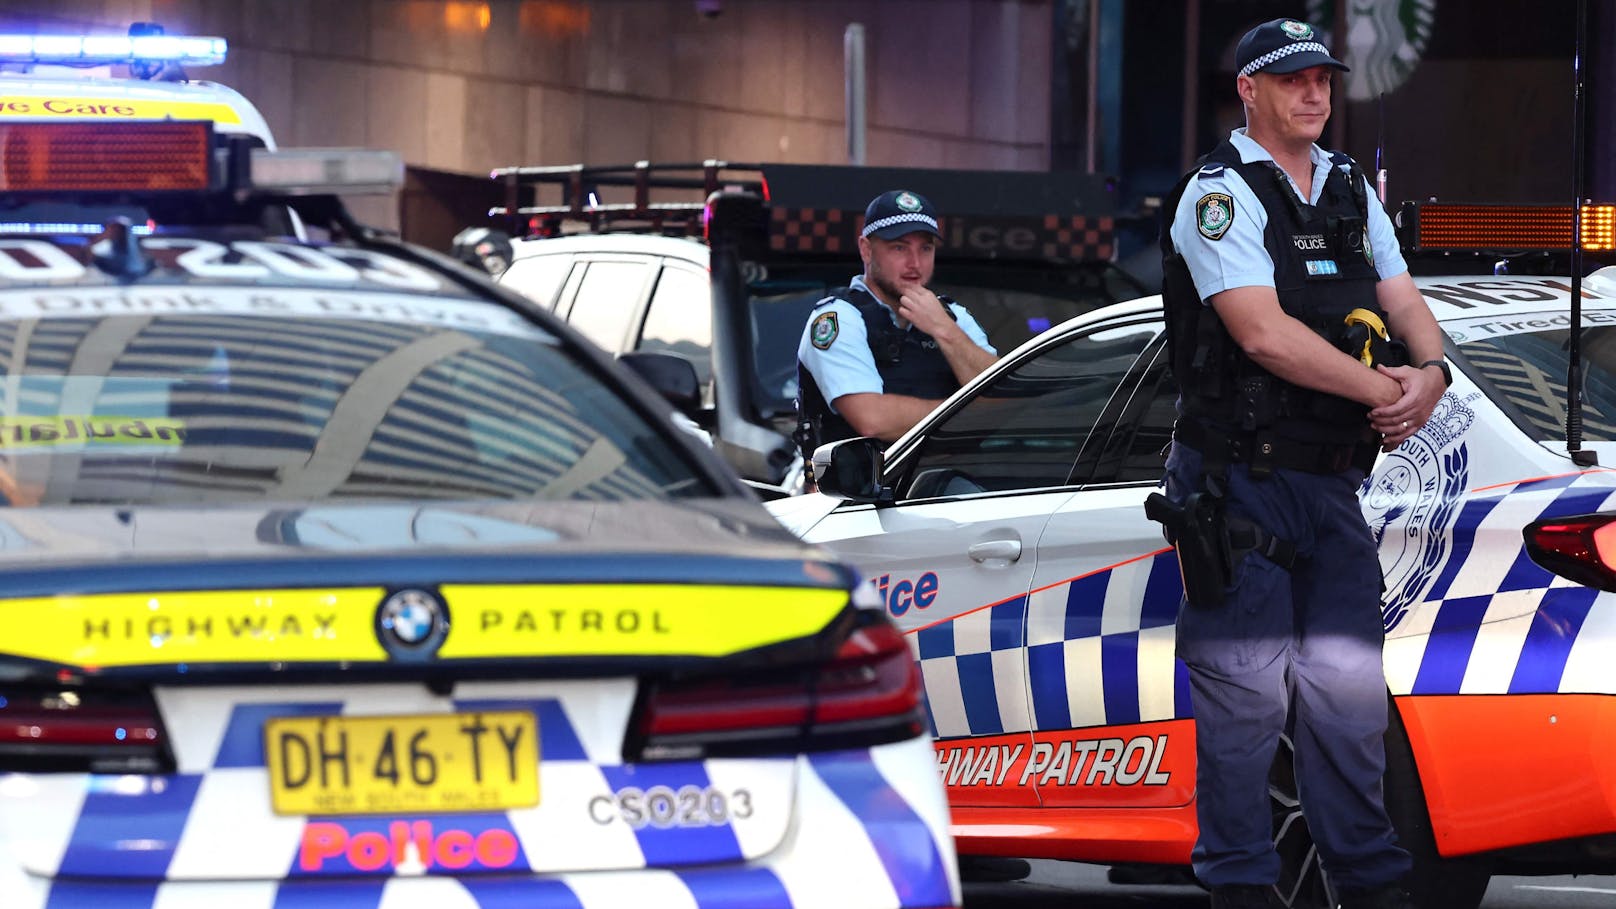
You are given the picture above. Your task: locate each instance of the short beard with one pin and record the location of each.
(888, 291)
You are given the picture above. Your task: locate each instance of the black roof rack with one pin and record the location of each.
(580, 199)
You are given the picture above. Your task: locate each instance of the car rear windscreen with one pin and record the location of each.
(1521, 362)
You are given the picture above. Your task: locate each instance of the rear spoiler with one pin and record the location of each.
(1057, 217)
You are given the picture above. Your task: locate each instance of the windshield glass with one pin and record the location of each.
(1521, 362)
(1012, 302)
(274, 397)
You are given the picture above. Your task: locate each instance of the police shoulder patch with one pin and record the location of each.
(824, 330)
(1213, 215)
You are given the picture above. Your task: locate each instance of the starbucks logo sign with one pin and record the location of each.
(1386, 40)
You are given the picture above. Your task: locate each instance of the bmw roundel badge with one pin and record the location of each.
(411, 624)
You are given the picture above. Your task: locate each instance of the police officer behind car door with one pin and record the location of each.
(879, 354)
(1274, 252)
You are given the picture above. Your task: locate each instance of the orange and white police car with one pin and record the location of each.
(1006, 535)
(331, 574)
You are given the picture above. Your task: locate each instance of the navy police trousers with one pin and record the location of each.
(1302, 646)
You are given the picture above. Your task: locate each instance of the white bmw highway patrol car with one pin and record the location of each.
(1006, 535)
(332, 574)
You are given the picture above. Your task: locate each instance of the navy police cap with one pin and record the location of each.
(1282, 46)
(898, 212)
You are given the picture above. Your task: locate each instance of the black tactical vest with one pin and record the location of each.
(909, 360)
(1323, 269)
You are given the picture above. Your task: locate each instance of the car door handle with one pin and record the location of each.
(1007, 550)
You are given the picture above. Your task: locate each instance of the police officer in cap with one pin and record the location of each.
(1283, 285)
(879, 354)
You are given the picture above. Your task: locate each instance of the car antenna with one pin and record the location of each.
(118, 251)
(1574, 341)
(1380, 149)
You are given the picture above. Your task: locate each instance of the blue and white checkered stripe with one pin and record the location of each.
(1281, 53)
(905, 218)
(876, 812)
(1099, 648)
(1492, 625)
(1098, 652)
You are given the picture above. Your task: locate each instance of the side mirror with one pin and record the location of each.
(484, 249)
(672, 377)
(851, 470)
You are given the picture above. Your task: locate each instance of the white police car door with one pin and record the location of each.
(1109, 702)
(954, 557)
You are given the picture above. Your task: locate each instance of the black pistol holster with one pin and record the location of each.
(1210, 543)
(1196, 530)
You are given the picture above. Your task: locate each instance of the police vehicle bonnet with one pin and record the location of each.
(1282, 46)
(899, 212)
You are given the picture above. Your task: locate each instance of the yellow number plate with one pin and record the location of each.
(403, 764)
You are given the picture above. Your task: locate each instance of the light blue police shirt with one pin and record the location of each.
(845, 366)
(1238, 258)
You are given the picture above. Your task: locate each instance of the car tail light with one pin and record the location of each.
(1580, 548)
(75, 730)
(868, 693)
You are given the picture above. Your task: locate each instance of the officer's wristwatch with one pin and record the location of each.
(1447, 374)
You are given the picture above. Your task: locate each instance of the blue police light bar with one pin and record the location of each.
(103, 50)
(65, 228)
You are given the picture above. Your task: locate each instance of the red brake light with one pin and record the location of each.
(874, 676)
(1580, 548)
(77, 730)
(869, 692)
(724, 705)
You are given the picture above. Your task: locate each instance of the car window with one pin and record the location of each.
(1143, 425)
(1013, 304)
(1024, 429)
(247, 407)
(679, 321)
(1525, 371)
(538, 278)
(607, 301)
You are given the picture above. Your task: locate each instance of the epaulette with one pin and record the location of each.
(1341, 159)
(1212, 169)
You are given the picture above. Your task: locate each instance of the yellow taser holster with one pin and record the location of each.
(1365, 325)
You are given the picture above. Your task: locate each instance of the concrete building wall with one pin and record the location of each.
(468, 85)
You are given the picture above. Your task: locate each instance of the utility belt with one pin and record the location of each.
(1262, 451)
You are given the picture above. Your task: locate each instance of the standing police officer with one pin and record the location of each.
(879, 354)
(1275, 256)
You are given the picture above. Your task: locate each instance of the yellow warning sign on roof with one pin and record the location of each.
(45, 107)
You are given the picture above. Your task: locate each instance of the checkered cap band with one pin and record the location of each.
(1282, 53)
(890, 220)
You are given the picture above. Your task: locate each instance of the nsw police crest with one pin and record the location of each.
(1412, 502)
(1296, 31)
(1213, 215)
(908, 201)
(823, 332)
